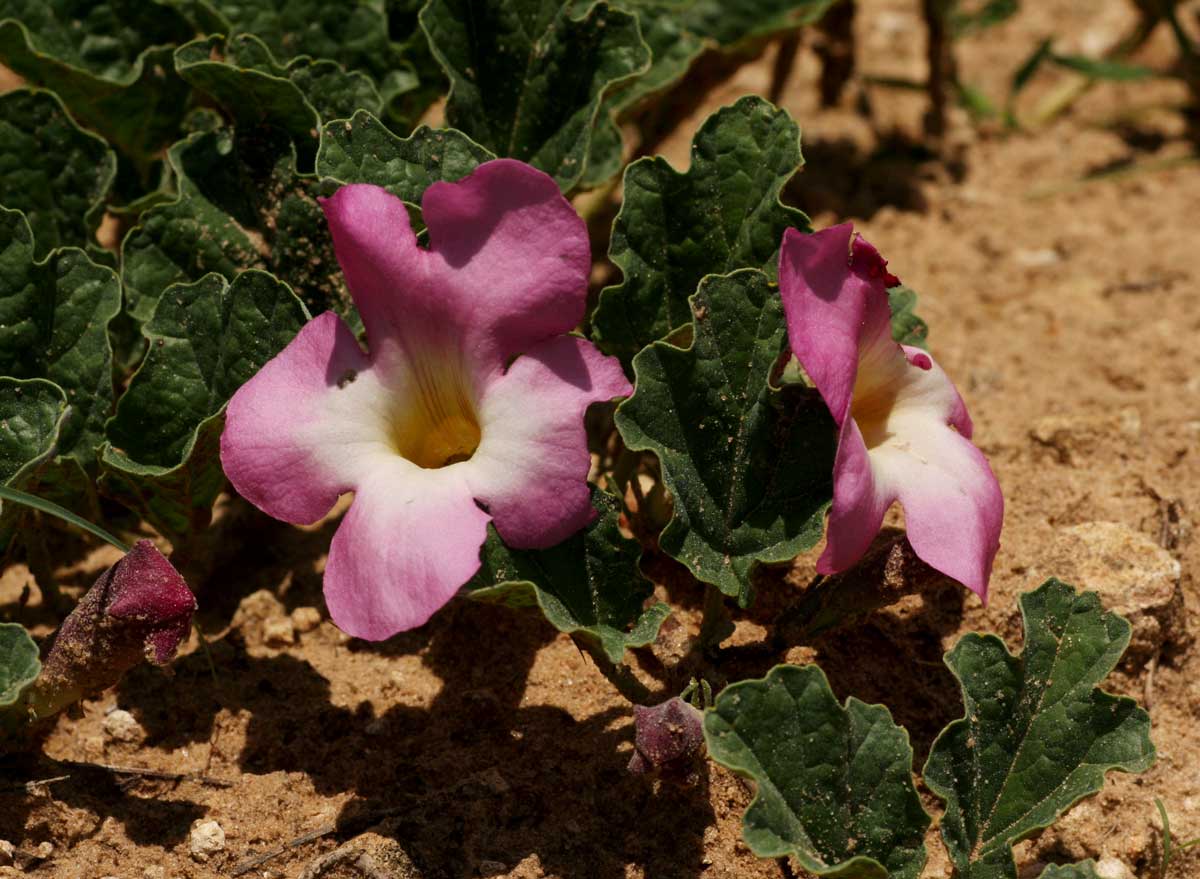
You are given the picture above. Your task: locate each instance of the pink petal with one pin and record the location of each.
(530, 470)
(266, 450)
(835, 300)
(507, 265)
(409, 541)
(859, 504)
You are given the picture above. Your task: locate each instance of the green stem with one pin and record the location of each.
(618, 675)
(53, 509)
(715, 622)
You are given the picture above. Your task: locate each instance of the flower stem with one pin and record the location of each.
(715, 622)
(53, 509)
(618, 675)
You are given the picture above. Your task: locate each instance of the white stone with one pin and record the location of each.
(207, 838)
(121, 726)
(1111, 868)
(279, 631)
(305, 619)
(8, 851)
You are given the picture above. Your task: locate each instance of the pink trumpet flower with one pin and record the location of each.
(905, 434)
(467, 409)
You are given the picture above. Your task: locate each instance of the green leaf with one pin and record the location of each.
(241, 205)
(749, 466)
(723, 214)
(527, 77)
(241, 75)
(969, 18)
(51, 169)
(731, 24)
(206, 340)
(19, 662)
(907, 326)
(109, 62)
(1037, 735)
(1099, 68)
(835, 786)
(32, 413)
(54, 317)
(1082, 870)
(588, 585)
(362, 150)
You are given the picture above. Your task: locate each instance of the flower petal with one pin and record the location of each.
(410, 539)
(835, 301)
(530, 469)
(859, 503)
(298, 433)
(507, 265)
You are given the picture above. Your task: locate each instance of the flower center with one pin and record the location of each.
(436, 424)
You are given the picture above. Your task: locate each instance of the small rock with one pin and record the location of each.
(8, 851)
(121, 726)
(1111, 868)
(44, 850)
(154, 871)
(305, 619)
(206, 839)
(1133, 575)
(1037, 259)
(279, 631)
(494, 781)
(254, 611)
(1074, 437)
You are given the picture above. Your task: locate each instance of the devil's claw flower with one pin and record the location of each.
(904, 431)
(139, 609)
(467, 409)
(667, 737)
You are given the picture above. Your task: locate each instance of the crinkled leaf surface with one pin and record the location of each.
(588, 585)
(54, 317)
(528, 76)
(835, 786)
(19, 662)
(907, 326)
(110, 63)
(674, 228)
(749, 466)
(32, 412)
(362, 150)
(206, 340)
(241, 205)
(52, 170)
(240, 74)
(1037, 735)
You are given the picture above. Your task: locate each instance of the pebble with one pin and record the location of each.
(7, 852)
(279, 631)
(1111, 868)
(121, 726)
(1037, 259)
(154, 871)
(305, 619)
(206, 839)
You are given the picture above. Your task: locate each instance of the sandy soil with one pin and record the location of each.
(484, 745)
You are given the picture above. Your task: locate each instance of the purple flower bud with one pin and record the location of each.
(140, 608)
(667, 737)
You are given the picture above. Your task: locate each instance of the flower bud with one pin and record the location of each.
(667, 737)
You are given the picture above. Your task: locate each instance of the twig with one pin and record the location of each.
(30, 787)
(157, 774)
(347, 854)
(366, 819)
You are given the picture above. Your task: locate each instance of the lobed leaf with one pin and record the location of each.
(54, 317)
(109, 62)
(361, 149)
(240, 74)
(32, 412)
(52, 170)
(19, 662)
(835, 786)
(588, 585)
(241, 205)
(1037, 735)
(206, 340)
(674, 228)
(527, 77)
(749, 466)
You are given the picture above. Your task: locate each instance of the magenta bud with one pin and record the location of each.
(140, 608)
(668, 737)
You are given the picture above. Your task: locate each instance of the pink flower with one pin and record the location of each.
(438, 429)
(904, 430)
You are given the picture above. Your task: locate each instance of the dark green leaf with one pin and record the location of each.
(241, 205)
(19, 662)
(749, 467)
(1082, 870)
(730, 24)
(52, 170)
(362, 150)
(1099, 68)
(835, 786)
(907, 326)
(974, 17)
(109, 62)
(240, 75)
(588, 585)
(1037, 735)
(32, 412)
(527, 77)
(206, 340)
(54, 318)
(673, 228)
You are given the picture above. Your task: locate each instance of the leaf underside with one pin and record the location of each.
(19, 662)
